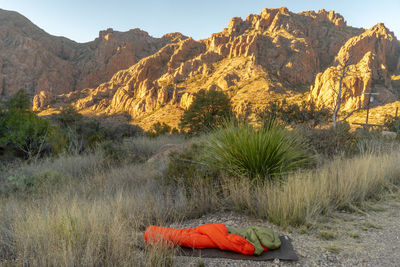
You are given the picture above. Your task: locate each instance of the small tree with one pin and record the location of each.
(158, 129)
(208, 108)
(19, 101)
(293, 114)
(392, 123)
(342, 71)
(21, 128)
(339, 94)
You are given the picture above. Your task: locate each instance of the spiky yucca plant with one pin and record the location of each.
(267, 152)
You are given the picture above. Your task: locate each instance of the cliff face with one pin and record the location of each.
(268, 56)
(47, 65)
(372, 59)
(254, 61)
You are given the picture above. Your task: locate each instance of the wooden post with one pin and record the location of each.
(366, 121)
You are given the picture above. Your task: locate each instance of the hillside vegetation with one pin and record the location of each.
(89, 204)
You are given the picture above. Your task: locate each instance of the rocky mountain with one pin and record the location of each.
(371, 59)
(47, 65)
(273, 55)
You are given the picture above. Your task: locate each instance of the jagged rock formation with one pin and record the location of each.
(372, 58)
(254, 61)
(267, 56)
(47, 65)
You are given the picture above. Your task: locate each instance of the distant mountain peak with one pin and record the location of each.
(268, 56)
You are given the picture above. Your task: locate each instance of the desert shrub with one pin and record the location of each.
(19, 101)
(158, 129)
(373, 142)
(76, 166)
(93, 140)
(187, 167)
(57, 141)
(38, 182)
(86, 132)
(68, 117)
(116, 154)
(329, 142)
(146, 147)
(392, 123)
(207, 110)
(117, 131)
(267, 152)
(291, 114)
(23, 130)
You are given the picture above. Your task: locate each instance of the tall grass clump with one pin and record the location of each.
(266, 152)
(84, 210)
(341, 184)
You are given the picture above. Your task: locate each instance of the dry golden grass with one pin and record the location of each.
(91, 218)
(340, 184)
(97, 212)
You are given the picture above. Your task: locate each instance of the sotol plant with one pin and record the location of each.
(266, 152)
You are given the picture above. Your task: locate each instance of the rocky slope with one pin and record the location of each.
(47, 65)
(268, 56)
(369, 60)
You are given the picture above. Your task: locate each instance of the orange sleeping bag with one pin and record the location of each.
(203, 236)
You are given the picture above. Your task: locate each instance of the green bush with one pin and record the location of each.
(392, 124)
(68, 117)
(158, 129)
(373, 142)
(40, 182)
(57, 140)
(292, 114)
(267, 152)
(22, 129)
(117, 131)
(187, 166)
(207, 110)
(19, 101)
(93, 140)
(329, 142)
(85, 132)
(116, 153)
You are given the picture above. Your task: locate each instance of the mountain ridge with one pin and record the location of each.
(56, 65)
(268, 56)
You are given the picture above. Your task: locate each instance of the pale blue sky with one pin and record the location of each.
(81, 20)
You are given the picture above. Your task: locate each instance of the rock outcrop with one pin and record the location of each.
(370, 58)
(264, 57)
(254, 61)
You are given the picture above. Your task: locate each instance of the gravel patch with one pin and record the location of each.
(341, 239)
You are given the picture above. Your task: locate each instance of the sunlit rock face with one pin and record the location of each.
(372, 57)
(255, 60)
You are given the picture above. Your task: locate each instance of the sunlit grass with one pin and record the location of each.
(96, 213)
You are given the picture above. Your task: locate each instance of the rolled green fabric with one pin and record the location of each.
(258, 237)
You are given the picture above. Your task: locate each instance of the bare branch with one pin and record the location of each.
(350, 114)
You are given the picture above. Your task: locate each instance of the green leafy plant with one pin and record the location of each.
(290, 114)
(86, 132)
(22, 129)
(39, 182)
(186, 167)
(331, 141)
(267, 152)
(158, 129)
(392, 124)
(207, 110)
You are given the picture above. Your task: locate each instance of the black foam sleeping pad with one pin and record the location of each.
(284, 252)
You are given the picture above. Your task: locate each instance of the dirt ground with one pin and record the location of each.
(370, 238)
